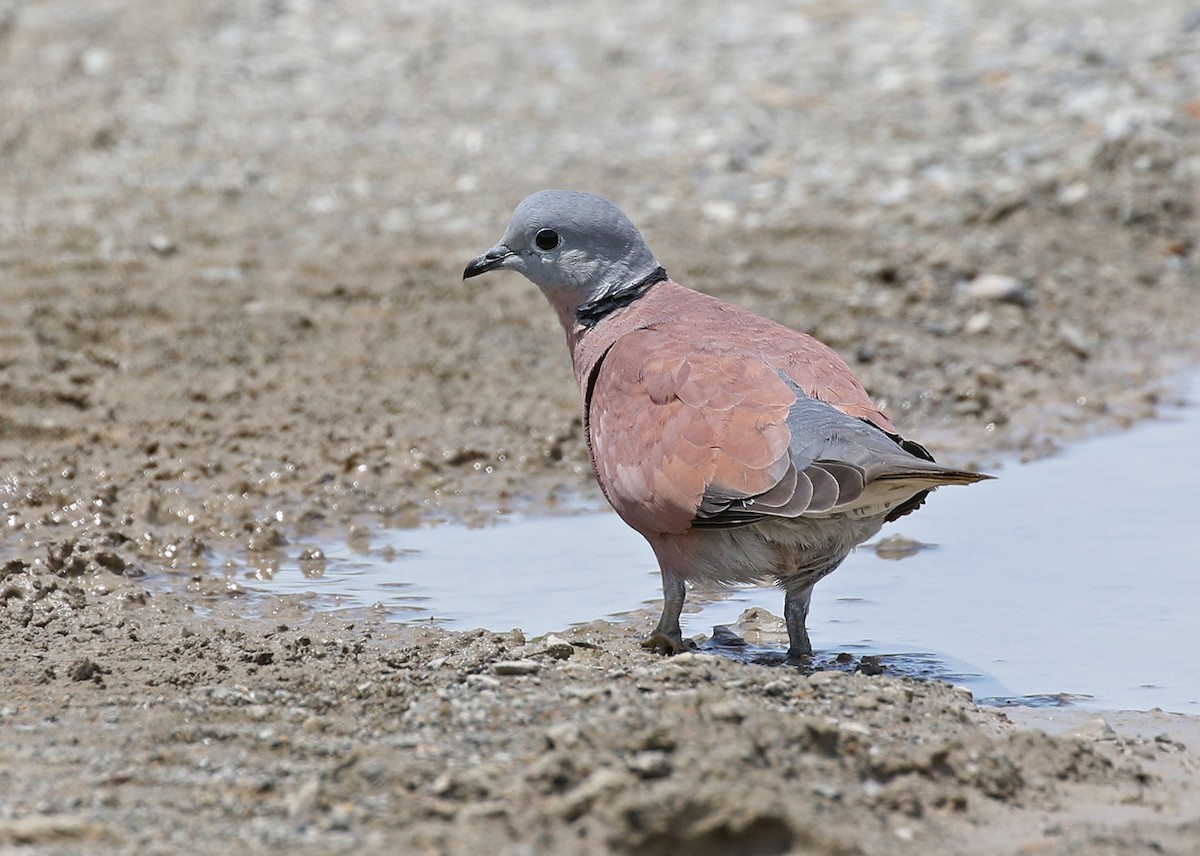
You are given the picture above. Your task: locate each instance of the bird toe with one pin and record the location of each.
(800, 655)
(668, 643)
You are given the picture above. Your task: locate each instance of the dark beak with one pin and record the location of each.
(490, 260)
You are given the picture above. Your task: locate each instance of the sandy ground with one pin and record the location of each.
(231, 237)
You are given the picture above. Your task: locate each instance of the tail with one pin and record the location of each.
(936, 476)
(933, 480)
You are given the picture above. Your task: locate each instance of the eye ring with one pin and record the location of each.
(547, 239)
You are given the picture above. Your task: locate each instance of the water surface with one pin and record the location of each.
(1076, 577)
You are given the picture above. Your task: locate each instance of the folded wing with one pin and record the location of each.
(719, 434)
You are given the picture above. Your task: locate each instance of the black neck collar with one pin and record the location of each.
(588, 314)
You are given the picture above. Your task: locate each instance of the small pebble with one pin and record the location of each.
(558, 648)
(777, 688)
(563, 735)
(870, 666)
(999, 288)
(898, 547)
(650, 764)
(688, 658)
(1095, 729)
(162, 245)
(722, 213)
(516, 667)
(482, 682)
(820, 679)
(1072, 194)
(95, 62)
(853, 729)
(727, 711)
(826, 790)
(1074, 338)
(865, 702)
(978, 323)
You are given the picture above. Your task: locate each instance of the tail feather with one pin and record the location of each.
(935, 477)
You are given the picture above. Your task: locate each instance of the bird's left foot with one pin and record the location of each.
(670, 644)
(800, 655)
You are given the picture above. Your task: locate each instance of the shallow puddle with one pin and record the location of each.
(1072, 579)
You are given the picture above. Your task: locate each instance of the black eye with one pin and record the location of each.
(547, 239)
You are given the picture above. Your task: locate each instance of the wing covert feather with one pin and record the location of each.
(666, 429)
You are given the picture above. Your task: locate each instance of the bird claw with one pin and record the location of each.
(799, 655)
(668, 643)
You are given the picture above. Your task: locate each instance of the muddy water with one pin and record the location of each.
(538, 574)
(1072, 578)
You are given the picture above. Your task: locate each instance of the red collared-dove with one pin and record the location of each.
(740, 449)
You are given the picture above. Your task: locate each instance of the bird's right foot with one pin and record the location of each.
(661, 642)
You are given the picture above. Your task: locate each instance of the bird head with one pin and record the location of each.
(578, 248)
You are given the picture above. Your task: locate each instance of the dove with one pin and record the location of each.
(743, 451)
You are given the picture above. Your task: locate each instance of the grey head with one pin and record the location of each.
(578, 248)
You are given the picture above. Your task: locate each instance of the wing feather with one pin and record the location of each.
(702, 414)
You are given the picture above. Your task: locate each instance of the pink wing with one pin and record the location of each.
(669, 422)
(695, 419)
